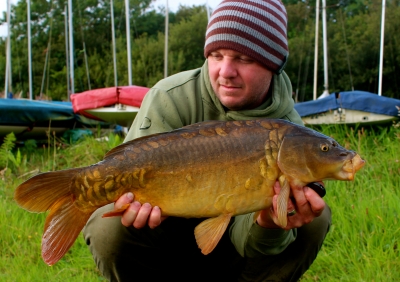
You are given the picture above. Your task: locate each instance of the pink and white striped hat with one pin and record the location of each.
(255, 28)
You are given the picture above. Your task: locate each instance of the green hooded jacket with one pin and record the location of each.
(186, 98)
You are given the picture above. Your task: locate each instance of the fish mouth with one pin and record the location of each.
(350, 167)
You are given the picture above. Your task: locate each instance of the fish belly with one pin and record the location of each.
(209, 191)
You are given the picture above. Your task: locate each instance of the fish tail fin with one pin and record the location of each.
(40, 192)
(52, 191)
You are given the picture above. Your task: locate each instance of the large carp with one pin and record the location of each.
(210, 169)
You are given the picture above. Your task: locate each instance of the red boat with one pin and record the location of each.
(117, 105)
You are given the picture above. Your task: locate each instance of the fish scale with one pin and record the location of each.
(214, 170)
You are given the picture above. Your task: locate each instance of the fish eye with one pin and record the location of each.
(324, 148)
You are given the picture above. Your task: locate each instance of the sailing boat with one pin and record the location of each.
(33, 119)
(118, 104)
(349, 107)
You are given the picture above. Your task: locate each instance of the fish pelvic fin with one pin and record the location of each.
(63, 225)
(282, 202)
(117, 212)
(209, 232)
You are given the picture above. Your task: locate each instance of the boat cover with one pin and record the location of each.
(351, 100)
(30, 112)
(103, 97)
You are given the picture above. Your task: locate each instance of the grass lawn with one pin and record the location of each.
(362, 244)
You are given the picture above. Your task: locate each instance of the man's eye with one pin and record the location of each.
(246, 60)
(215, 56)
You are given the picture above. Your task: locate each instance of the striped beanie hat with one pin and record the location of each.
(256, 28)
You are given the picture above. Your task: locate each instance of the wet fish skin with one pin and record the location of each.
(210, 169)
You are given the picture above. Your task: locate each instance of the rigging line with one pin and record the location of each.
(301, 60)
(44, 69)
(84, 46)
(47, 55)
(347, 51)
(305, 76)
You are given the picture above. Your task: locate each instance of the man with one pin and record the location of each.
(246, 50)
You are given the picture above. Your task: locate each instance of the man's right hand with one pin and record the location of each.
(138, 215)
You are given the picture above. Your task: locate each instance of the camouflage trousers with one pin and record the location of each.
(170, 253)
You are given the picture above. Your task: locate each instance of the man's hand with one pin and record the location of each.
(138, 215)
(307, 203)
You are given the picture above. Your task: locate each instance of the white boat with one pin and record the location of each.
(117, 105)
(352, 107)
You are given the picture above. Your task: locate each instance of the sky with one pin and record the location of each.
(172, 5)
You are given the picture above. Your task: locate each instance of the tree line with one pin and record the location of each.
(353, 32)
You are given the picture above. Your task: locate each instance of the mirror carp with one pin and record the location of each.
(213, 169)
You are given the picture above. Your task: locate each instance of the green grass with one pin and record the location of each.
(20, 231)
(362, 244)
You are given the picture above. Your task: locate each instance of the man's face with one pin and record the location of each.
(239, 82)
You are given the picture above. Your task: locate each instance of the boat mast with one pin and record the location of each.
(128, 41)
(29, 49)
(8, 50)
(208, 11)
(113, 42)
(316, 50)
(166, 42)
(381, 47)
(326, 83)
(71, 49)
(66, 50)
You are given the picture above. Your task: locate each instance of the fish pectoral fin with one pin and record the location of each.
(282, 201)
(255, 216)
(117, 212)
(209, 232)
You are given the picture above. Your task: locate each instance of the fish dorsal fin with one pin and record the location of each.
(118, 149)
(187, 128)
(209, 232)
(282, 201)
(207, 123)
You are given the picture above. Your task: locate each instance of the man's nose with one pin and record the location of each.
(227, 69)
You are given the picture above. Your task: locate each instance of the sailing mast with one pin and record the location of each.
(128, 42)
(8, 48)
(113, 43)
(66, 50)
(166, 42)
(381, 47)
(208, 11)
(29, 50)
(71, 48)
(316, 50)
(325, 44)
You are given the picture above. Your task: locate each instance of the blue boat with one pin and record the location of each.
(351, 107)
(32, 119)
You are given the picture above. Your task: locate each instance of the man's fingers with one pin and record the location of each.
(126, 198)
(142, 216)
(130, 214)
(317, 204)
(155, 217)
